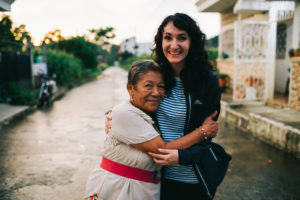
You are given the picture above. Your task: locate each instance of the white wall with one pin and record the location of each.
(129, 44)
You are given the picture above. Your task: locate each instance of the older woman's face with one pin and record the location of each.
(175, 44)
(148, 92)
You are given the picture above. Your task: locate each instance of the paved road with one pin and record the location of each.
(257, 171)
(49, 154)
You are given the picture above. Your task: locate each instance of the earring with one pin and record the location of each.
(131, 99)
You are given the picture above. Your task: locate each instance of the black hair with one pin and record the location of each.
(139, 68)
(196, 65)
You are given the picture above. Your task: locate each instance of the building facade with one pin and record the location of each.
(254, 43)
(135, 48)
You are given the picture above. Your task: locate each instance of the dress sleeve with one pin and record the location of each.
(130, 127)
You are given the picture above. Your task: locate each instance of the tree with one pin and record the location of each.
(11, 39)
(125, 55)
(52, 36)
(103, 35)
(80, 48)
(5, 29)
(212, 42)
(113, 55)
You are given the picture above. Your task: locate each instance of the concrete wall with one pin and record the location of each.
(275, 133)
(294, 96)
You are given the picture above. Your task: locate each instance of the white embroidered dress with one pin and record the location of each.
(129, 125)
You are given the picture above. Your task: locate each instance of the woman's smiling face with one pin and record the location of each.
(175, 44)
(149, 91)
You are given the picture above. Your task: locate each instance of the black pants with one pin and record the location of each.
(173, 190)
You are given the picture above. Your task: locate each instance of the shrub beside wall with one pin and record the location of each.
(126, 64)
(66, 67)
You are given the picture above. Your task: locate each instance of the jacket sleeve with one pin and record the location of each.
(193, 154)
(214, 97)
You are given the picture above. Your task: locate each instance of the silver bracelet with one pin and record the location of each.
(204, 133)
(201, 136)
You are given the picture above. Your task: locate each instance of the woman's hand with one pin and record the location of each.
(210, 126)
(167, 157)
(107, 119)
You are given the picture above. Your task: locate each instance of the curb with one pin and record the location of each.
(30, 109)
(16, 116)
(275, 133)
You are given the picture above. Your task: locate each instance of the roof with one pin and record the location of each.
(5, 5)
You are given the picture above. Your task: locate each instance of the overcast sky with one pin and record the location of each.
(138, 18)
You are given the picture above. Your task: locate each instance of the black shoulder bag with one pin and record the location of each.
(211, 167)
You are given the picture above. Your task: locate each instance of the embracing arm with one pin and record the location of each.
(184, 142)
(181, 143)
(171, 156)
(192, 154)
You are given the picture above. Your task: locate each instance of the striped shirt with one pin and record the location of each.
(171, 116)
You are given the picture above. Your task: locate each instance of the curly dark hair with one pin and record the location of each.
(196, 65)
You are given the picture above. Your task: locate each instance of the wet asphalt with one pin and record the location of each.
(48, 154)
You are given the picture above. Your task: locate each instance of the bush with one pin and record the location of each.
(126, 64)
(104, 66)
(212, 53)
(90, 74)
(86, 51)
(67, 68)
(14, 93)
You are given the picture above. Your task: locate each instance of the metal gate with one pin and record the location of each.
(15, 67)
(250, 59)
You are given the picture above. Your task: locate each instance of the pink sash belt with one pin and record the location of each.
(129, 172)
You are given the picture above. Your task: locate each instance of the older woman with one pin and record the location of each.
(127, 171)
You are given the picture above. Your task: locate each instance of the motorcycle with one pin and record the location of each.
(46, 92)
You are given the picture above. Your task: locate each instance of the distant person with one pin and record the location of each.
(126, 170)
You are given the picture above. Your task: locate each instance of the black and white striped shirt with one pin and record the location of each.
(171, 116)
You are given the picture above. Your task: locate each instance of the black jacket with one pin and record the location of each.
(200, 104)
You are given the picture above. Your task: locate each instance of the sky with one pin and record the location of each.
(139, 18)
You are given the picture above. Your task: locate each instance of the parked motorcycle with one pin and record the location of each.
(46, 92)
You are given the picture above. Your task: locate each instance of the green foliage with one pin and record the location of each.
(104, 65)
(212, 53)
(86, 51)
(16, 94)
(220, 75)
(113, 55)
(90, 74)
(103, 35)
(212, 42)
(5, 28)
(126, 64)
(11, 39)
(53, 36)
(66, 67)
(125, 55)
